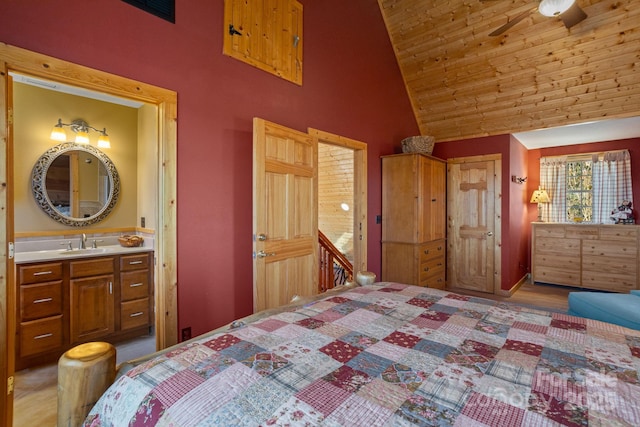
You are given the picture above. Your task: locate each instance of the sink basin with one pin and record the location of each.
(84, 251)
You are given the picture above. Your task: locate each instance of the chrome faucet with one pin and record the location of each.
(83, 242)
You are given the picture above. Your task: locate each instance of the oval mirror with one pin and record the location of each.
(74, 184)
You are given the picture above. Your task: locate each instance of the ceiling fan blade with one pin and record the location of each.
(511, 23)
(572, 16)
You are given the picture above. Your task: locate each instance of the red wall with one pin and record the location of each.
(352, 87)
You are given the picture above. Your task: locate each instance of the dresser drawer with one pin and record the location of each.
(40, 300)
(39, 336)
(431, 250)
(564, 262)
(559, 276)
(134, 285)
(134, 314)
(609, 249)
(554, 246)
(134, 262)
(436, 282)
(39, 273)
(619, 232)
(91, 267)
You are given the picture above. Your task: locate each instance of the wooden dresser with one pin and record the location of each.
(414, 220)
(593, 256)
(66, 302)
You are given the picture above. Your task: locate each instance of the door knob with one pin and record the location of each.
(490, 233)
(262, 254)
(262, 237)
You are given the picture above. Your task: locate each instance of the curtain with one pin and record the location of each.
(552, 179)
(611, 184)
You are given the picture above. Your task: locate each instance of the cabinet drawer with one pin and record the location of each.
(134, 285)
(39, 273)
(619, 232)
(553, 246)
(134, 262)
(609, 265)
(431, 250)
(584, 232)
(91, 267)
(432, 267)
(557, 275)
(40, 300)
(134, 314)
(40, 335)
(609, 249)
(549, 231)
(609, 281)
(436, 282)
(569, 263)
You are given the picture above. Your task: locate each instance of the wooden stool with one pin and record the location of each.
(84, 374)
(365, 278)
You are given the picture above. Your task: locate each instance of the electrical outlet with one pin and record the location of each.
(378, 219)
(186, 333)
(142, 221)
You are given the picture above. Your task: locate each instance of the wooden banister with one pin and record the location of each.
(330, 255)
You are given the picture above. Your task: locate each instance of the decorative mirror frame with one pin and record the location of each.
(38, 186)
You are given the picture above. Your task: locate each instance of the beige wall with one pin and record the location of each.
(36, 110)
(147, 165)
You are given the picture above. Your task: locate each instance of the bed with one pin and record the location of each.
(388, 354)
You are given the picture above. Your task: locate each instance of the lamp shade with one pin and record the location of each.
(540, 196)
(554, 7)
(58, 134)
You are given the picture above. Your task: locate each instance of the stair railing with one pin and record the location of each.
(330, 255)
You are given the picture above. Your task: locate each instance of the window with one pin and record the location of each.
(165, 9)
(586, 187)
(579, 191)
(266, 34)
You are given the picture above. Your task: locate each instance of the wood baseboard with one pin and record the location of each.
(514, 288)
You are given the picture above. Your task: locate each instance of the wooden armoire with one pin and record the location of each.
(414, 219)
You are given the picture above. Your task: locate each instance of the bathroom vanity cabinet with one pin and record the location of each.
(66, 302)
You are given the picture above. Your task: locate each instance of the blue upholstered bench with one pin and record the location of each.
(620, 309)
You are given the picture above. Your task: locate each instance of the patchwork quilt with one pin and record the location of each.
(390, 354)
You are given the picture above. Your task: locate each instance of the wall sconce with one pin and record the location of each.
(81, 129)
(540, 196)
(518, 180)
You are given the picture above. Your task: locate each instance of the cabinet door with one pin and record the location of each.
(92, 308)
(432, 195)
(400, 199)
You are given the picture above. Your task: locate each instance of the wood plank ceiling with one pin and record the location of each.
(463, 83)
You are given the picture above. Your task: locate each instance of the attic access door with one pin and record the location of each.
(473, 223)
(285, 215)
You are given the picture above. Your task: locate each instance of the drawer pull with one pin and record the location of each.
(39, 337)
(135, 285)
(42, 273)
(426, 251)
(139, 313)
(135, 262)
(110, 287)
(426, 269)
(41, 300)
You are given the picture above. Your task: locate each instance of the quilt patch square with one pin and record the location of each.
(385, 394)
(221, 342)
(423, 411)
(372, 364)
(310, 323)
(265, 363)
(359, 340)
(523, 347)
(241, 350)
(356, 411)
(492, 412)
(401, 339)
(271, 325)
(403, 376)
(419, 302)
(509, 372)
(340, 351)
(434, 348)
(210, 367)
(565, 413)
(323, 396)
(347, 378)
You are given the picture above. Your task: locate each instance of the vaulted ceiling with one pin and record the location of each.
(463, 83)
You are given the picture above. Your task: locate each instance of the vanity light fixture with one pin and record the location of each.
(81, 129)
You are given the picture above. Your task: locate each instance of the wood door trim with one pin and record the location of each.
(23, 61)
(359, 191)
(497, 260)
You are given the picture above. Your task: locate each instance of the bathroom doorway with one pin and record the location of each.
(19, 61)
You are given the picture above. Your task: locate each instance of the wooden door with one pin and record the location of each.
(473, 223)
(285, 215)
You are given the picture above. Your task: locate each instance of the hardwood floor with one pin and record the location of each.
(36, 389)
